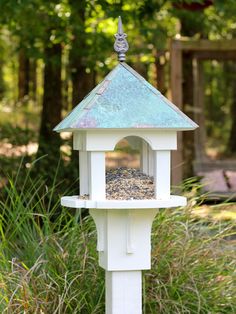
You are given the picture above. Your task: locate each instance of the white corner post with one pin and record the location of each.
(84, 166)
(83, 172)
(92, 167)
(124, 246)
(97, 175)
(162, 174)
(146, 162)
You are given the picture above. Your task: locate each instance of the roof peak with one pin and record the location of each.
(121, 45)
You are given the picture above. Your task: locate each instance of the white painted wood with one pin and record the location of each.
(124, 292)
(101, 140)
(130, 247)
(162, 174)
(99, 217)
(76, 202)
(83, 172)
(172, 201)
(97, 179)
(126, 236)
(144, 158)
(79, 139)
(150, 161)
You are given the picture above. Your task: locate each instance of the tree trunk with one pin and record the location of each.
(141, 68)
(49, 141)
(66, 96)
(23, 74)
(2, 83)
(160, 73)
(33, 79)
(232, 136)
(82, 82)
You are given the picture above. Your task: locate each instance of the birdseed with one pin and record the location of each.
(127, 184)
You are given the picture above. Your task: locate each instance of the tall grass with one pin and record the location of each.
(193, 267)
(47, 254)
(48, 259)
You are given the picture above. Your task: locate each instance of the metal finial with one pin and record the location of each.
(121, 45)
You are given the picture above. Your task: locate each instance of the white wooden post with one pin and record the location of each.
(97, 175)
(124, 292)
(150, 161)
(162, 174)
(83, 172)
(146, 160)
(124, 245)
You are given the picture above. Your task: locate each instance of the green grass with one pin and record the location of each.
(193, 265)
(48, 258)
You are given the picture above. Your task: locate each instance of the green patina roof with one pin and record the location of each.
(125, 100)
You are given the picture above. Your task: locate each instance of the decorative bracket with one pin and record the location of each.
(124, 238)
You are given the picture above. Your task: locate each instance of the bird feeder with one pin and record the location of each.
(124, 105)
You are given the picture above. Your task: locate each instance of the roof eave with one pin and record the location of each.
(124, 129)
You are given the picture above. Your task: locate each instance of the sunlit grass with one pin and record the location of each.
(218, 212)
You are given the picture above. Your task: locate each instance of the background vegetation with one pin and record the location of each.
(52, 53)
(48, 258)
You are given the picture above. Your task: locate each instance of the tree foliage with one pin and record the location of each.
(83, 32)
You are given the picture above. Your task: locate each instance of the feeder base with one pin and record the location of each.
(77, 202)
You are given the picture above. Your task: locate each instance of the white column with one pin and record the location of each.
(144, 158)
(97, 175)
(150, 161)
(162, 173)
(124, 292)
(124, 245)
(83, 172)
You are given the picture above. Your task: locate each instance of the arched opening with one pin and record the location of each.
(126, 154)
(129, 170)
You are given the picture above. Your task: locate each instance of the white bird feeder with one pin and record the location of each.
(124, 105)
